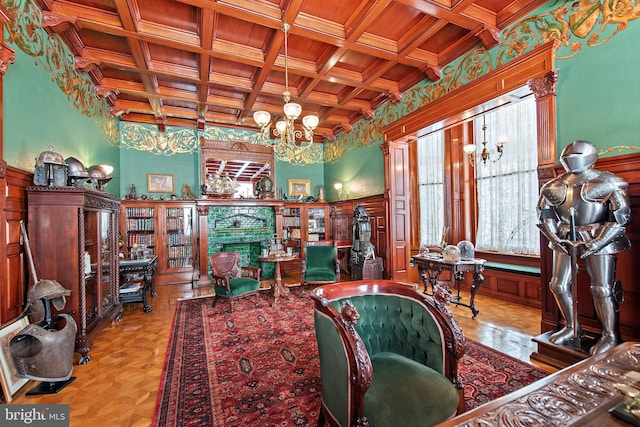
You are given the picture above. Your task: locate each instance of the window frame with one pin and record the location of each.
(535, 69)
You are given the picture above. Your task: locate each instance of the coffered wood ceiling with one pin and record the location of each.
(214, 62)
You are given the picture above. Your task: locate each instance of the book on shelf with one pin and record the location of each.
(130, 288)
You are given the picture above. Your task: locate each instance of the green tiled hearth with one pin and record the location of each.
(242, 229)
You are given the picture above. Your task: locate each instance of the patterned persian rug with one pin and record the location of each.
(258, 366)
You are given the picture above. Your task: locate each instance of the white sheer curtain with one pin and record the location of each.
(508, 189)
(431, 187)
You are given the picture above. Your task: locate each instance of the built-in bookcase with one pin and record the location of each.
(166, 229)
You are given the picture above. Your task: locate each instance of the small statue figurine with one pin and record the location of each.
(132, 193)
(187, 193)
(264, 188)
(584, 212)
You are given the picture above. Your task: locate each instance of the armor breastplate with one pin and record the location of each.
(589, 200)
(44, 354)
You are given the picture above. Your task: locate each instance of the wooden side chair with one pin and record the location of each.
(230, 280)
(320, 263)
(388, 355)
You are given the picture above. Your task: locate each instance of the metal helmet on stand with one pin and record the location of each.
(46, 289)
(77, 172)
(98, 177)
(50, 169)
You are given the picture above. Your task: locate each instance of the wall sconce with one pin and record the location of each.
(338, 187)
(490, 154)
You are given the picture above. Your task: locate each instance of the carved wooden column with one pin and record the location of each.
(11, 295)
(544, 90)
(397, 194)
(201, 271)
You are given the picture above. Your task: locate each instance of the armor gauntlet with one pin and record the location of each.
(554, 241)
(607, 234)
(613, 231)
(549, 228)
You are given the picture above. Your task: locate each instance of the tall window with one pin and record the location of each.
(508, 189)
(431, 187)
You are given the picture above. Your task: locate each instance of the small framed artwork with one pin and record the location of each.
(299, 187)
(159, 183)
(11, 384)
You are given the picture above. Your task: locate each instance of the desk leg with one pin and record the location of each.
(279, 290)
(145, 298)
(457, 277)
(429, 277)
(478, 278)
(149, 273)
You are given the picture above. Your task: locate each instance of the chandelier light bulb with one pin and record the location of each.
(292, 110)
(281, 125)
(469, 148)
(262, 118)
(311, 121)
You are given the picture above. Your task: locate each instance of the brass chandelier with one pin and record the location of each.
(487, 154)
(285, 130)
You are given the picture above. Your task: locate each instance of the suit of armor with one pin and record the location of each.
(585, 210)
(362, 248)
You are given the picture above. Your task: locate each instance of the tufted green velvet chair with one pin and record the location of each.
(230, 280)
(320, 264)
(388, 355)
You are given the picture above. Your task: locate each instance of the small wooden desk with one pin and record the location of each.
(138, 271)
(279, 290)
(431, 266)
(581, 394)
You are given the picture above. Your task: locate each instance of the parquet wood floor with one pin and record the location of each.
(118, 387)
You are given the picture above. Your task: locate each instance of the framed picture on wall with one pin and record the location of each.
(159, 183)
(11, 384)
(299, 187)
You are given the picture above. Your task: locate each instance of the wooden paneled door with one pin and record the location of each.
(398, 203)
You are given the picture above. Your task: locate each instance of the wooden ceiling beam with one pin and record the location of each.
(208, 20)
(141, 56)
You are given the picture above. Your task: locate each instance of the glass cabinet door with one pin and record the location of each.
(292, 232)
(91, 257)
(179, 237)
(107, 227)
(316, 224)
(140, 230)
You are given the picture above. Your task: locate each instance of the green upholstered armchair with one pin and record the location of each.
(230, 280)
(388, 355)
(320, 264)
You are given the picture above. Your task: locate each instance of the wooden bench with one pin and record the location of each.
(512, 282)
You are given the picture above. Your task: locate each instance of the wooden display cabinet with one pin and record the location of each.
(67, 227)
(304, 222)
(166, 228)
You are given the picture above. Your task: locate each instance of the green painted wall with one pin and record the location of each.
(312, 172)
(135, 165)
(37, 114)
(598, 95)
(360, 171)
